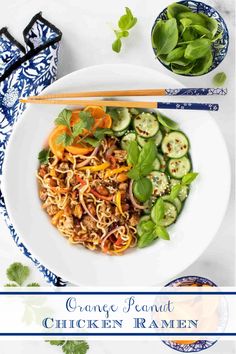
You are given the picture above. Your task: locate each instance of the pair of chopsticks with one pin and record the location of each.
(70, 98)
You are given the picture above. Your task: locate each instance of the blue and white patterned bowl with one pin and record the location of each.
(220, 47)
(199, 345)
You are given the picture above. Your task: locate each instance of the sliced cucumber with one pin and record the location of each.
(156, 165)
(175, 201)
(129, 136)
(122, 120)
(162, 161)
(121, 133)
(146, 125)
(183, 193)
(157, 138)
(170, 214)
(143, 218)
(160, 183)
(175, 145)
(179, 167)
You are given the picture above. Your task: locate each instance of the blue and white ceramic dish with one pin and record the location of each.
(200, 344)
(220, 47)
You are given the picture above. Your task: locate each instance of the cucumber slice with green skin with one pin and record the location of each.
(121, 133)
(130, 136)
(160, 183)
(177, 203)
(143, 218)
(170, 214)
(184, 191)
(157, 138)
(179, 167)
(146, 125)
(175, 145)
(156, 165)
(122, 120)
(162, 161)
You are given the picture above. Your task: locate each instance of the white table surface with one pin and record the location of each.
(87, 38)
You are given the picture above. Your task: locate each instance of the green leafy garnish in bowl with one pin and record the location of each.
(184, 41)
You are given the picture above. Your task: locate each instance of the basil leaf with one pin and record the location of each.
(116, 45)
(146, 239)
(147, 226)
(189, 178)
(203, 31)
(162, 232)
(142, 189)
(175, 54)
(219, 79)
(179, 69)
(196, 18)
(167, 122)
(217, 36)
(165, 36)
(147, 157)
(175, 191)
(127, 21)
(203, 65)
(134, 173)
(197, 49)
(158, 210)
(133, 153)
(189, 35)
(210, 23)
(174, 9)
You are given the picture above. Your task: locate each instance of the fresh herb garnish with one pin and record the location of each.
(43, 156)
(18, 274)
(125, 23)
(186, 181)
(142, 162)
(184, 41)
(101, 132)
(167, 122)
(86, 121)
(71, 346)
(219, 79)
(152, 229)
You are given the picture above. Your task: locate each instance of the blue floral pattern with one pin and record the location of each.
(23, 73)
(196, 92)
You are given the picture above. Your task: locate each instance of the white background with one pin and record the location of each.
(87, 38)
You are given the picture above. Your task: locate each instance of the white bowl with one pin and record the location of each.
(196, 227)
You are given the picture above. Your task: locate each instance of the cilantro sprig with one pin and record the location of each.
(71, 346)
(86, 122)
(43, 156)
(125, 23)
(18, 273)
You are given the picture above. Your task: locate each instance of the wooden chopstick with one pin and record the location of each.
(143, 92)
(129, 104)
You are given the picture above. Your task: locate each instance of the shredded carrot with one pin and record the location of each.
(98, 195)
(60, 190)
(122, 249)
